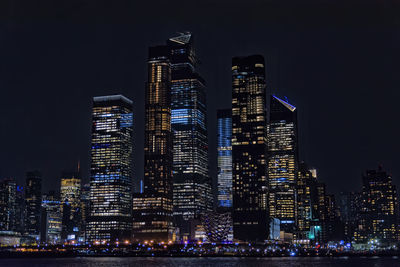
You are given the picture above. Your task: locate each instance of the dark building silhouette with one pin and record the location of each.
(110, 217)
(33, 201)
(249, 149)
(282, 163)
(152, 210)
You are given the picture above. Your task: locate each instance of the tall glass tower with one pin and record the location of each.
(283, 163)
(110, 181)
(152, 209)
(192, 185)
(249, 148)
(224, 150)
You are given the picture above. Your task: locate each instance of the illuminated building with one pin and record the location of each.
(152, 210)
(191, 181)
(379, 217)
(70, 205)
(282, 163)
(85, 210)
(33, 201)
(249, 149)
(149, 221)
(224, 150)
(305, 183)
(110, 178)
(51, 217)
(8, 214)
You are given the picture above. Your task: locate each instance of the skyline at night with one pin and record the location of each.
(322, 69)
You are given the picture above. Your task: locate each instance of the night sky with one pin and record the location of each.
(337, 61)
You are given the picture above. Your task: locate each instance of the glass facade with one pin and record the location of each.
(224, 157)
(283, 163)
(152, 210)
(110, 181)
(249, 149)
(192, 185)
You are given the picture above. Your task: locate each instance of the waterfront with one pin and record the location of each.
(222, 261)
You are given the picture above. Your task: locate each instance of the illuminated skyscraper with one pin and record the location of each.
(70, 205)
(51, 217)
(224, 150)
(283, 163)
(305, 185)
(8, 203)
(33, 201)
(152, 210)
(110, 181)
(379, 216)
(192, 184)
(249, 149)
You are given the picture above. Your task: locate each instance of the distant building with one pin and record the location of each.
(224, 158)
(249, 149)
(191, 181)
(378, 219)
(110, 217)
(33, 201)
(70, 205)
(283, 163)
(8, 205)
(51, 217)
(85, 210)
(306, 182)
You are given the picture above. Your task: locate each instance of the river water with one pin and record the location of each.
(198, 262)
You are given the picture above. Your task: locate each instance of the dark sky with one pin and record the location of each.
(337, 61)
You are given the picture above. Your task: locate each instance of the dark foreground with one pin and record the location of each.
(204, 261)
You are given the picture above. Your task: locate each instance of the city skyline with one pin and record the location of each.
(373, 151)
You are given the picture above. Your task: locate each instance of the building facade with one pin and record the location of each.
(224, 158)
(152, 209)
(110, 217)
(51, 225)
(283, 163)
(33, 201)
(8, 206)
(249, 149)
(378, 220)
(70, 205)
(191, 182)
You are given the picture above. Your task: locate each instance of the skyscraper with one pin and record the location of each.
(283, 163)
(51, 217)
(33, 201)
(8, 203)
(224, 157)
(110, 178)
(249, 149)
(70, 205)
(306, 183)
(152, 209)
(379, 215)
(192, 184)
